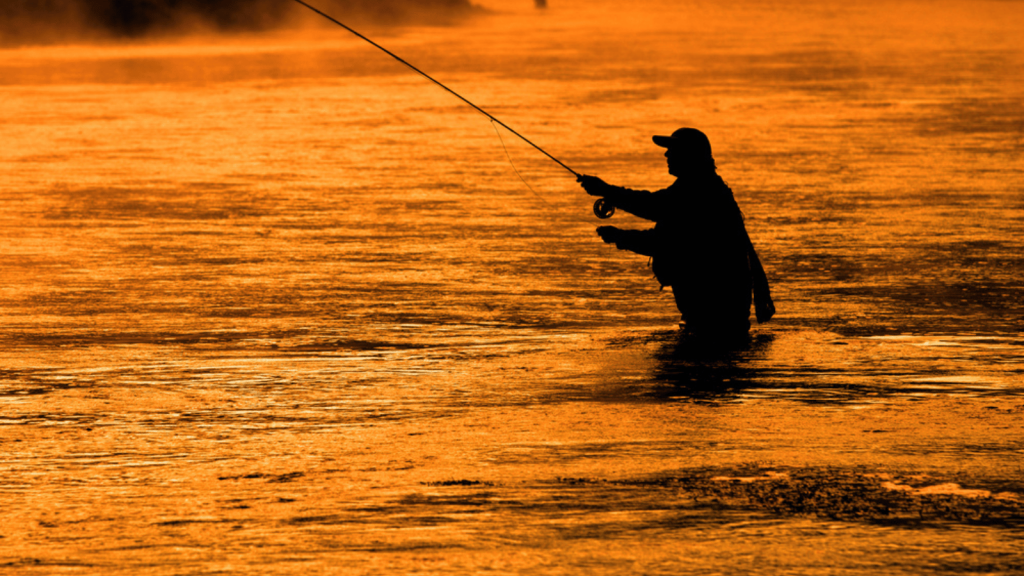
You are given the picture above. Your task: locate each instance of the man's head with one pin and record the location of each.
(688, 152)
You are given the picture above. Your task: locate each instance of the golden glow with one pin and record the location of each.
(273, 304)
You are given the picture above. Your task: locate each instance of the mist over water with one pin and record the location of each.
(33, 22)
(272, 303)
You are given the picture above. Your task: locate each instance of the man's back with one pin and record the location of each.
(702, 254)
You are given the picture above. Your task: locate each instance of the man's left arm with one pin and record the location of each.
(639, 241)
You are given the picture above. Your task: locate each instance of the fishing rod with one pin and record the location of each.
(602, 209)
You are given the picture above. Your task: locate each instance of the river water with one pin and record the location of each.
(274, 304)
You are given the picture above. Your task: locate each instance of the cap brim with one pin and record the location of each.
(664, 141)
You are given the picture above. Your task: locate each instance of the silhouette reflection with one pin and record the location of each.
(695, 368)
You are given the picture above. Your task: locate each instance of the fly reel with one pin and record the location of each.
(603, 209)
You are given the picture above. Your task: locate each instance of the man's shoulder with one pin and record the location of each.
(674, 188)
(673, 197)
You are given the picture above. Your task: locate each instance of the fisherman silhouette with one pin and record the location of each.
(699, 245)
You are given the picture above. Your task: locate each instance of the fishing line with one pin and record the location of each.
(429, 77)
(602, 209)
(516, 170)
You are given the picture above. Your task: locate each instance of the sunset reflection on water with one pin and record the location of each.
(272, 303)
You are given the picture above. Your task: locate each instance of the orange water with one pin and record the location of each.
(262, 294)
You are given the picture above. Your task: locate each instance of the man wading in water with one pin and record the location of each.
(699, 245)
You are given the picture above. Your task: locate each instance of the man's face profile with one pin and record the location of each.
(676, 162)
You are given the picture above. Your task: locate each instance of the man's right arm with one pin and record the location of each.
(637, 202)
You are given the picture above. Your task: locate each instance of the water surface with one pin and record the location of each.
(275, 304)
